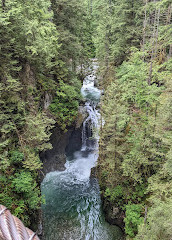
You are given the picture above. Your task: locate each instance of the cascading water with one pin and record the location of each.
(92, 122)
(73, 205)
(90, 125)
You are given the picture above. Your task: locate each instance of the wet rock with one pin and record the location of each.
(56, 163)
(62, 143)
(114, 215)
(96, 83)
(55, 158)
(47, 100)
(93, 172)
(75, 142)
(82, 115)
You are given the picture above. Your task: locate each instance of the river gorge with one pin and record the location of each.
(72, 209)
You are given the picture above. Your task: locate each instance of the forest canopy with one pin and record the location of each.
(44, 47)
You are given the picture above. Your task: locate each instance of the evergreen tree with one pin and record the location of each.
(36, 48)
(134, 165)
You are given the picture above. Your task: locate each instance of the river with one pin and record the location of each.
(73, 205)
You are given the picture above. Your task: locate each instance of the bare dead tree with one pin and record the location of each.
(153, 43)
(157, 31)
(3, 4)
(169, 15)
(145, 24)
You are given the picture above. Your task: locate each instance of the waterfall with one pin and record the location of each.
(73, 204)
(90, 127)
(91, 95)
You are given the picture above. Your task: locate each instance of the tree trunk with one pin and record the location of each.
(146, 211)
(3, 4)
(169, 14)
(167, 23)
(91, 7)
(153, 47)
(157, 31)
(144, 25)
(170, 51)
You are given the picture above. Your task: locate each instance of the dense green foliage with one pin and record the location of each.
(133, 219)
(42, 45)
(134, 49)
(65, 104)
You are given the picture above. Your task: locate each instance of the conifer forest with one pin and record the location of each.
(47, 49)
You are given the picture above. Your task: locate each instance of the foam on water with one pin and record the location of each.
(73, 205)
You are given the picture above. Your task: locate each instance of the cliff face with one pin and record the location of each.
(38, 76)
(113, 214)
(62, 144)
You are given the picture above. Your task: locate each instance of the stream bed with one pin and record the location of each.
(73, 205)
